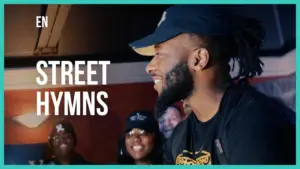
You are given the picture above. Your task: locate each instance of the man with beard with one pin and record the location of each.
(230, 123)
(170, 120)
(63, 141)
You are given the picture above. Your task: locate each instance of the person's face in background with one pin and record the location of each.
(139, 144)
(169, 121)
(63, 144)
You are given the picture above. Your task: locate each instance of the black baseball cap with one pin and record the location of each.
(178, 19)
(143, 120)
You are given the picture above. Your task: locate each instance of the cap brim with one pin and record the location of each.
(137, 125)
(141, 128)
(146, 45)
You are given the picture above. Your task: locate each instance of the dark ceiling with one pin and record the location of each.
(102, 32)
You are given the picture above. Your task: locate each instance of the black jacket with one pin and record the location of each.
(251, 129)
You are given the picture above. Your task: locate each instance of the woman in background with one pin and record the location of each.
(142, 142)
(62, 141)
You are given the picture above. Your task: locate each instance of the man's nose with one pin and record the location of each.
(168, 122)
(151, 66)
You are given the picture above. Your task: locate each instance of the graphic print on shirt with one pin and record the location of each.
(197, 158)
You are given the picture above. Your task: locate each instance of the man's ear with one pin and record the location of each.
(199, 59)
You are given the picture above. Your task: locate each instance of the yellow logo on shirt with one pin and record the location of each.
(201, 158)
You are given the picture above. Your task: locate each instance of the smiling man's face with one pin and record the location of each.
(169, 121)
(170, 72)
(167, 56)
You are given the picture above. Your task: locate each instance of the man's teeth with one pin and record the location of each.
(137, 148)
(156, 81)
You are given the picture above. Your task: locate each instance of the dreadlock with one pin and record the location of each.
(242, 46)
(248, 35)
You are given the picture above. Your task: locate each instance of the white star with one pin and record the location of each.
(59, 128)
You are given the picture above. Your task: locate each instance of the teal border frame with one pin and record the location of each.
(141, 2)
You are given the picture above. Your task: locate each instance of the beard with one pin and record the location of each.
(167, 134)
(179, 85)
